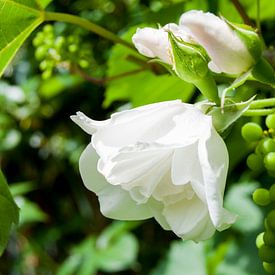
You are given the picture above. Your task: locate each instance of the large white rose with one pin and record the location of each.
(163, 160)
(227, 51)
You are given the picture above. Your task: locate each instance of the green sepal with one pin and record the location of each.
(190, 63)
(263, 72)
(249, 37)
(224, 117)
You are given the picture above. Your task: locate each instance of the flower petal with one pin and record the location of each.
(224, 47)
(214, 160)
(115, 202)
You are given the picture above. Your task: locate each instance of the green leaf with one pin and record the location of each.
(239, 201)
(17, 21)
(226, 116)
(264, 72)
(144, 87)
(184, 257)
(9, 213)
(45, 3)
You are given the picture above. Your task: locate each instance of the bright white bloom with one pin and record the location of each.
(163, 160)
(155, 43)
(227, 51)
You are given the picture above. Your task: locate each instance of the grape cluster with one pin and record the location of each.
(60, 52)
(264, 153)
(266, 240)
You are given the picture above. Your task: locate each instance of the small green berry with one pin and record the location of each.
(255, 162)
(41, 52)
(47, 74)
(83, 63)
(270, 219)
(272, 192)
(252, 131)
(72, 48)
(260, 240)
(269, 161)
(269, 267)
(261, 196)
(59, 42)
(267, 254)
(268, 146)
(269, 238)
(48, 29)
(270, 121)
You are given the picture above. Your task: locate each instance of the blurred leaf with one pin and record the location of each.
(45, 3)
(143, 87)
(30, 212)
(21, 188)
(57, 84)
(9, 212)
(184, 257)
(121, 254)
(17, 21)
(239, 201)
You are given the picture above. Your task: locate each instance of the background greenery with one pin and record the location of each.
(61, 230)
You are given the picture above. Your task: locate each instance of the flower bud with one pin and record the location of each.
(225, 46)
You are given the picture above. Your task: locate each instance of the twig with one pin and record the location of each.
(242, 12)
(101, 81)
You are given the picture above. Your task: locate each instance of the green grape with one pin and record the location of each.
(272, 192)
(38, 40)
(41, 52)
(269, 238)
(270, 219)
(83, 63)
(59, 42)
(252, 131)
(72, 48)
(260, 240)
(269, 161)
(261, 196)
(255, 162)
(269, 267)
(47, 74)
(268, 145)
(48, 29)
(270, 121)
(267, 254)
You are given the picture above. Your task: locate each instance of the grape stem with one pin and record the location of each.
(242, 12)
(69, 18)
(259, 112)
(262, 103)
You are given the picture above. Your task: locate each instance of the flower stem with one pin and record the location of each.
(259, 112)
(262, 103)
(68, 18)
(242, 12)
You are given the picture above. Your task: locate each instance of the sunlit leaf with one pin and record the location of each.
(17, 21)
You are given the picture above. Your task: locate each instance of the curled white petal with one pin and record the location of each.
(227, 51)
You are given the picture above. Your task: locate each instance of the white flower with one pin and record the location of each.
(163, 160)
(227, 51)
(155, 43)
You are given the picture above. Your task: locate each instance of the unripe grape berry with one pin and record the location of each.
(48, 28)
(270, 219)
(272, 192)
(41, 52)
(269, 161)
(255, 162)
(252, 131)
(83, 63)
(267, 254)
(72, 48)
(38, 40)
(269, 267)
(268, 145)
(269, 238)
(270, 121)
(260, 240)
(261, 196)
(59, 42)
(47, 74)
